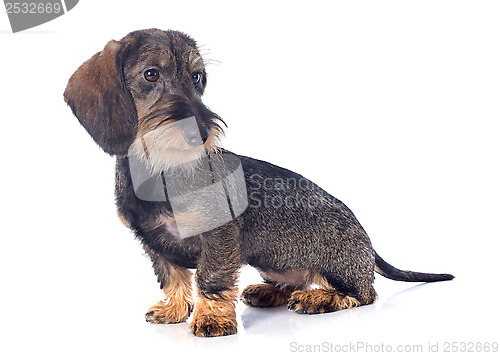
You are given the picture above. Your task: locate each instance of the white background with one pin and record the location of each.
(391, 106)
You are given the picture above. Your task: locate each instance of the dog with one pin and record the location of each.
(194, 205)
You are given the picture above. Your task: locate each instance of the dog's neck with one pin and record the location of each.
(159, 158)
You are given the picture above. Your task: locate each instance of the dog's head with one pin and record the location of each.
(142, 95)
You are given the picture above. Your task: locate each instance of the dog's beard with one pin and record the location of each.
(165, 148)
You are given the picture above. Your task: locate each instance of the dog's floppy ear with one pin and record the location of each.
(100, 100)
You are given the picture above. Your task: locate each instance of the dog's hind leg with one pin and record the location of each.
(332, 297)
(320, 301)
(267, 294)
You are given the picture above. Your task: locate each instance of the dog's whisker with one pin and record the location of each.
(211, 62)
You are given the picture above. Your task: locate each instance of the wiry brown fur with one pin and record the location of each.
(99, 99)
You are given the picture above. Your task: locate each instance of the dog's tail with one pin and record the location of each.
(391, 272)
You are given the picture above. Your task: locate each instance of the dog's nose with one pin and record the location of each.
(195, 136)
(204, 133)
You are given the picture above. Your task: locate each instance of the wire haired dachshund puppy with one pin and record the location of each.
(194, 205)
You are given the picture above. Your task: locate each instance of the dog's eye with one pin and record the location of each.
(152, 75)
(196, 78)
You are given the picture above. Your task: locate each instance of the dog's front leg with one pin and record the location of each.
(175, 282)
(216, 275)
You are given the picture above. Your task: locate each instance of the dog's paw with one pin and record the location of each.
(264, 295)
(214, 317)
(165, 312)
(320, 301)
(213, 325)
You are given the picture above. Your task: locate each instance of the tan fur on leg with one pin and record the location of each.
(320, 301)
(178, 302)
(215, 317)
(123, 221)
